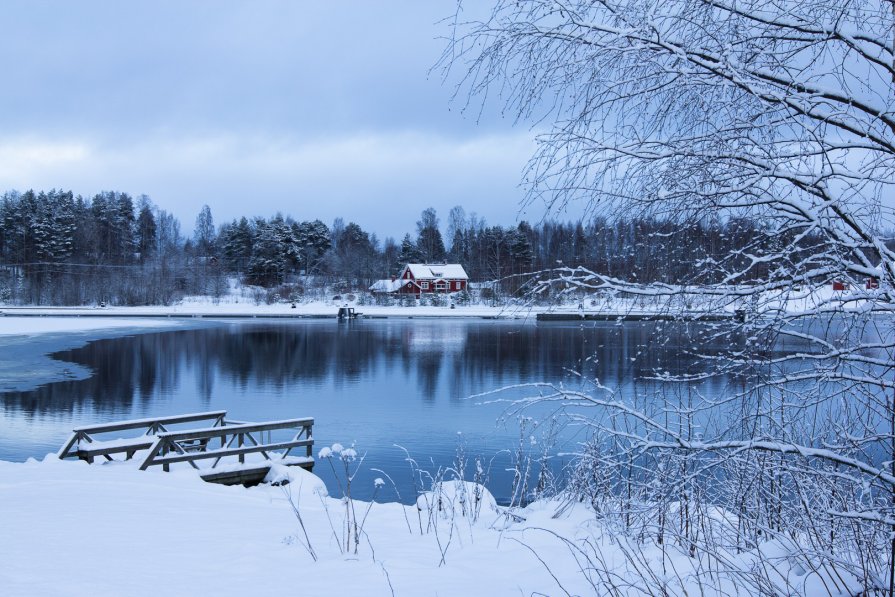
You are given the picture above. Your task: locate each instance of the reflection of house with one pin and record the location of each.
(425, 278)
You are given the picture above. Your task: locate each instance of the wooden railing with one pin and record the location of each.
(84, 444)
(235, 440)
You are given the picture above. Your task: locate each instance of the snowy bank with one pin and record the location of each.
(203, 307)
(74, 529)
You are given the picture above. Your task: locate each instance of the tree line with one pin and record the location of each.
(58, 248)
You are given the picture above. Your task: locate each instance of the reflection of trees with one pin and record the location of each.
(477, 356)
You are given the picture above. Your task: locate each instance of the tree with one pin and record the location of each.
(456, 226)
(204, 235)
(779, 112)
(355, 255)
(409, 253)
(146, 230)
(313, 240)
(429, 240)
(236, 243)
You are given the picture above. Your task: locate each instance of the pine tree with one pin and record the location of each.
(410, 253)
(146, 230)
(313, 240)
(429, 239)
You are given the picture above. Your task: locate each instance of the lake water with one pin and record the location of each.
(374, 384)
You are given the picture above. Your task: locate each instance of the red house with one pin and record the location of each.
(425, 278)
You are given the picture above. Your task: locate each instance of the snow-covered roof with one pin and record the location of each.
(451, 271)
(388, 285)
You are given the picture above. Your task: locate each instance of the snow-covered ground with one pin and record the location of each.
(687, 299)
(208, 308)
(69, 528)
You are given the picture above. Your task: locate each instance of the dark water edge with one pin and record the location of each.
(28, 362)
(396, 390)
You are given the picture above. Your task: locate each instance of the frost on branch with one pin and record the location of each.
(782, 112)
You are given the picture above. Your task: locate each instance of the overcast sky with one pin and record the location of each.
(312, 109)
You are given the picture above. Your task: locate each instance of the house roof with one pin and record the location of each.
(450, 271)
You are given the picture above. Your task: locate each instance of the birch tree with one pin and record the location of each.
(711, 110)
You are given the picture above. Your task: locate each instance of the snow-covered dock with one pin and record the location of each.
(158, 445)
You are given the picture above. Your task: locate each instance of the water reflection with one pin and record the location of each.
(479, 356)
(379, 383)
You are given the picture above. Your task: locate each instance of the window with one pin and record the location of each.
(424, 285)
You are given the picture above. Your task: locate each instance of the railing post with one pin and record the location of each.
(310, 450)
(165, 466)
(239, 441)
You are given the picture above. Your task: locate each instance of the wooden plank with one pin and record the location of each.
(140, 423)
(63, 452)
(153, 451)
(226, 452)
(246, 476)
(100, 450)
(211, 432)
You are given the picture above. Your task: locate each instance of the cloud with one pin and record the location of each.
(382, 180)
(317, 110)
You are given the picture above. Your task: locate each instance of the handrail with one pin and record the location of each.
(153, 426)
(192, 444)
(147, 422)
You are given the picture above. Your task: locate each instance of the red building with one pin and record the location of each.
(425, 278)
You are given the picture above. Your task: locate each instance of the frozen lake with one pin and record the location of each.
(377, 384)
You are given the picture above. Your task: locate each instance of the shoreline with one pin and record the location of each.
(28, 345)
(276, 311)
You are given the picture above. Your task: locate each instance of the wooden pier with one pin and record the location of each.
(217, 451)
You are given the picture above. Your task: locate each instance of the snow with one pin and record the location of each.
(75, 529)
(448, 271)
(647, 300)
(32, 326)
(388, 285)
(203, 307)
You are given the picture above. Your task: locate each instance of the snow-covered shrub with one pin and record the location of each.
(455, 498)
(462, 298)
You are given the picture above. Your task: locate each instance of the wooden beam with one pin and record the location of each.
(141, 423)
(211, 432)
(192, 456)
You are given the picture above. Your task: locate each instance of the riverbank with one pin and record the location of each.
(688, 303)
(106, 530)
(74, 529)
(225, 310)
